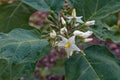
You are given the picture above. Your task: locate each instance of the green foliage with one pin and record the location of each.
(45, 5)
(98, 64)
(95, 9)
(15, 15)
(19, 51)
(99, 10)
(105, 32)
(31, 78)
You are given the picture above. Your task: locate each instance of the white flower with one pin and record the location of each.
(78, 19)
(88, 39)
(89, 23)
(82, 34)
(69, 45)
(53, 34)
(63, 21)
(63, 31)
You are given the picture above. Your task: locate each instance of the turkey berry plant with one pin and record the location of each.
(66, 24)
(69, 44)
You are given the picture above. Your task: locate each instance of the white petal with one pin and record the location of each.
(74, 48)
(79, 20)
(61, 44)
(69, 18)
(68, 51)
(72, 40)
(63, 38)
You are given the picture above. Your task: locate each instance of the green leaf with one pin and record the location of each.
(45, 5)
(98, 10)
(32, 78)
(105, 32)
(14, 15)
(19, 51)
(98, 64)
(95, 9)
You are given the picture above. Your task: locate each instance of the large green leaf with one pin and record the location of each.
(45, 5)
(98, 64)
(95, 9)
(19, 51)
(105, 32)
(14, 15)
(98, 10)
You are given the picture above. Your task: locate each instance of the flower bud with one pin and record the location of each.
(63, 31)
(89, 23)
(74, 13)
(53, 34)
(77, 33)
(63, 21)
(87, 34)
(82, 34)
(88, 39)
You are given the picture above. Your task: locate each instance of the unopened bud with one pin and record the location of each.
(74, 13)
(87, 34)
(82, 34)
(89, 23)
(63, 21)
(53, 34)
(77, 33)
(88, 39)
(63, 31)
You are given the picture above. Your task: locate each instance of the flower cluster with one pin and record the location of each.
(72, 27)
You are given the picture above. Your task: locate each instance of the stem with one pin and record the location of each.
(83, 53)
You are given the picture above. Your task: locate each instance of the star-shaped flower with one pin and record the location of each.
(78, 19)
(69, 45)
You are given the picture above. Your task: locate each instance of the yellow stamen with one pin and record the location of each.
(67, 45)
